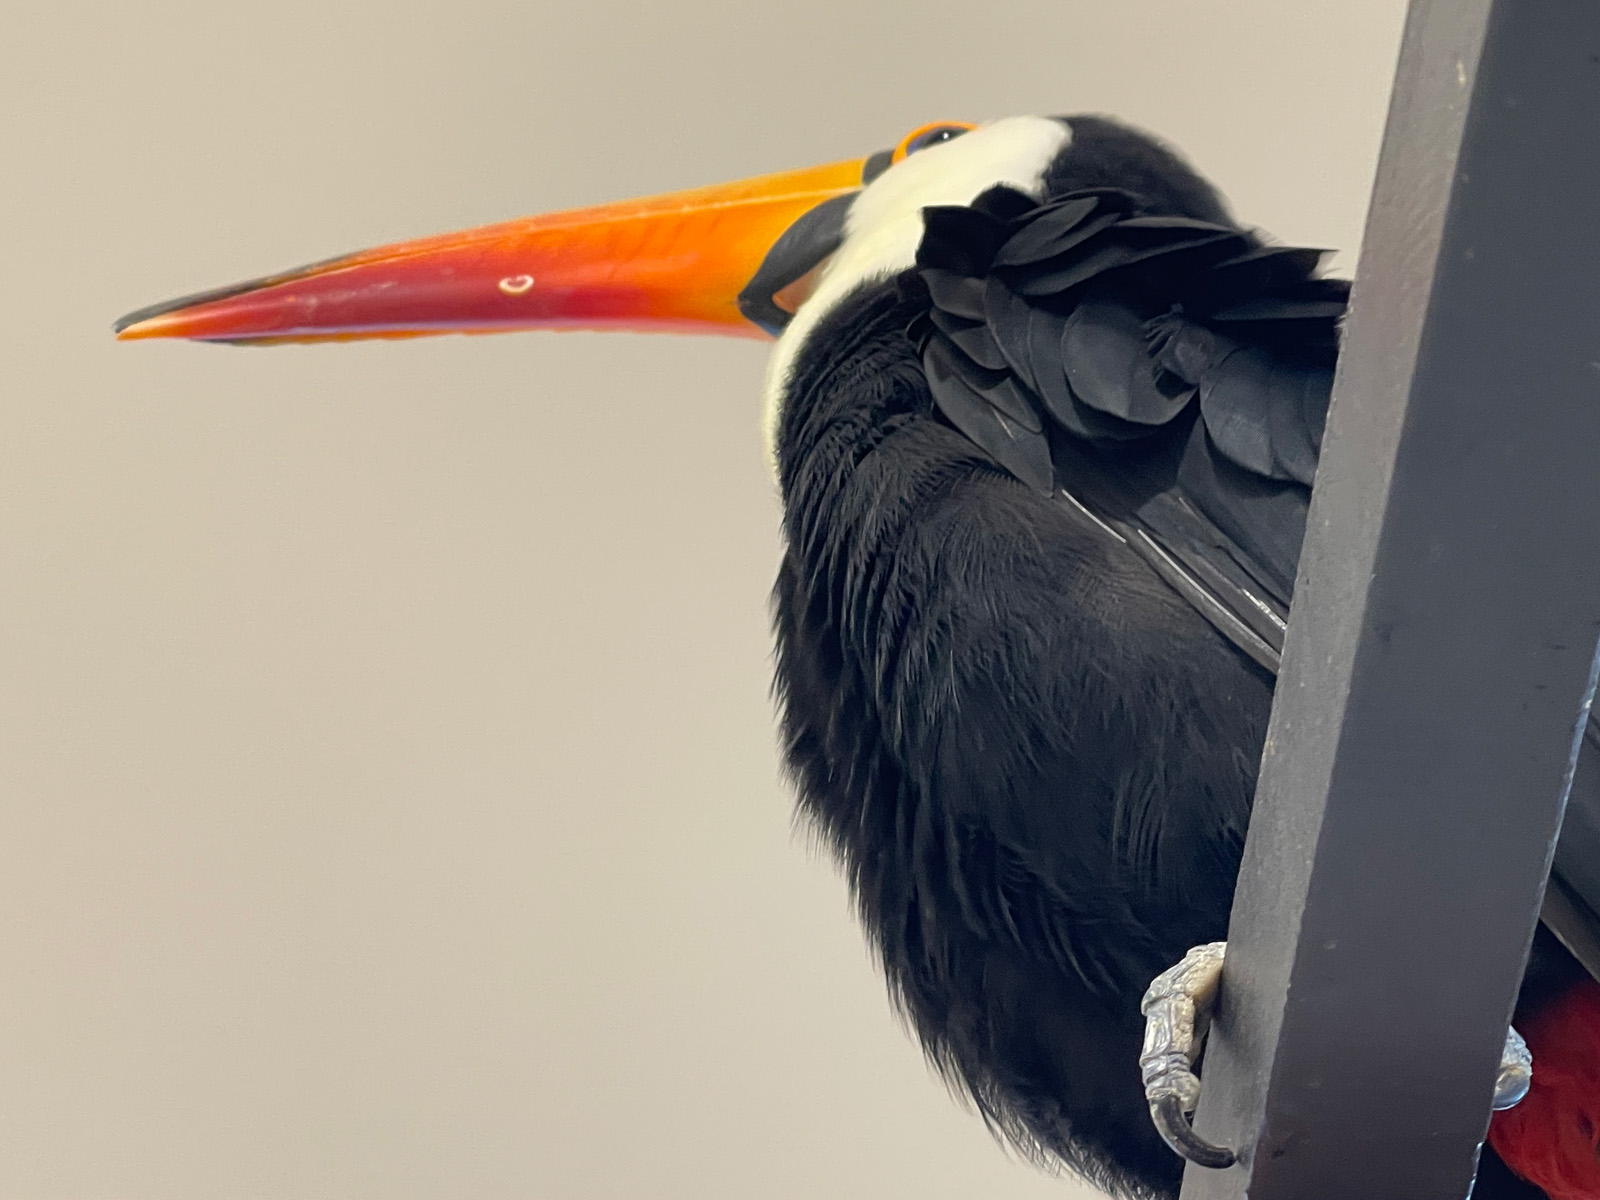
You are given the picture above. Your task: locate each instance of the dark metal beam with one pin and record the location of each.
(1443, 641)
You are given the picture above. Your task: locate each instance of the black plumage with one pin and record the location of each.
(1044, 497)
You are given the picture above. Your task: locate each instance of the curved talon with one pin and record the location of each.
(1177, 1009)
(1172, 1123)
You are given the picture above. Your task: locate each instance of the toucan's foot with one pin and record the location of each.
(1516, 1072)
(1177, 1011)
(1178, 1007)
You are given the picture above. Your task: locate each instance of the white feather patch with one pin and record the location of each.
(884, 225)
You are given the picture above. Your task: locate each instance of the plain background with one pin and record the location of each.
(390, 802)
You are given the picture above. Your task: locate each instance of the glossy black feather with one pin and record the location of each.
(1056, 230)
(956, 294)
(1105, 352)
(959, 391)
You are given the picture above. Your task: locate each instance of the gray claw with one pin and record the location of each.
(1177, 1011)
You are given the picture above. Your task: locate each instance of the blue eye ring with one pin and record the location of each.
(930, 135)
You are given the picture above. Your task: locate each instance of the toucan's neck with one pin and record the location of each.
(855, 382)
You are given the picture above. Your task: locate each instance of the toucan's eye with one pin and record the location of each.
(930, 135)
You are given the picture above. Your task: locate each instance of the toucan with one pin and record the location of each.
(1045, 419)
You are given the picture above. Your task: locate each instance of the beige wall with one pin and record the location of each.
(390, 806)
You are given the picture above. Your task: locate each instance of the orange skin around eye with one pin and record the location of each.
(903, 148)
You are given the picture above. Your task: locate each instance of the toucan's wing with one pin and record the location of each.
(1166, 372)
(1169, 378)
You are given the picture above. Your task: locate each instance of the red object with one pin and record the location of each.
(1552, 1139)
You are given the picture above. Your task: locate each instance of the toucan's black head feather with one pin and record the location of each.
(1107, 154)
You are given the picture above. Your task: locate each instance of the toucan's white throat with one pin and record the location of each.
(884, 225)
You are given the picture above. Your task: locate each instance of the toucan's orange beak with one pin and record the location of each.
(728, 259)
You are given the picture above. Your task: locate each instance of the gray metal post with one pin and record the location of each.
(1443, 641)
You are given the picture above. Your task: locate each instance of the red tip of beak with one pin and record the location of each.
(187, 316)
